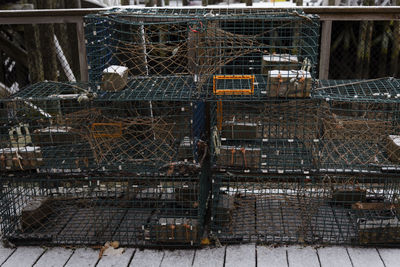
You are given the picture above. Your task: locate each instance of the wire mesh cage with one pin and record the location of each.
(326, 209)
(206, 52)
(359, 125)
(146, 210)
(265, 136)
(57, 128)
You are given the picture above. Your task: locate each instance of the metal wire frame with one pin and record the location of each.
(380, 90)
(73, 133)
(146, 210)
(265, 136)
(326, 209)
(182, 50)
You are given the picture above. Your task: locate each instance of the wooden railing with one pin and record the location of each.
(327, 15)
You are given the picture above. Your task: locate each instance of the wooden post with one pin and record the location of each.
(394, 57)
(325, 49)
(82, 51)
(72, 51)
(32, 44)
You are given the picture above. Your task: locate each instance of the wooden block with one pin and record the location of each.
(379, 235)
(278, 61)
(51, 136)
(223, 209)
(289, 83)
(20, 158)
(373, 206)
(243, 157)
(115, 78)
(175, 230)
(348, 197)
(35, 213)
(240, 130)
(393, 148)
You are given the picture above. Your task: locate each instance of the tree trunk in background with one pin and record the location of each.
(364, 46)
(125, 2)
(185, 2)
(48, 51)
(149, 3)
(367, 54)
(160, 3)
(71, 48)
(384, 50)
(249, 2)
(394, 57)
(32, 44)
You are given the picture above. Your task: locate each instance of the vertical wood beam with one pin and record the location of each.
(326, 35)
(83, 65)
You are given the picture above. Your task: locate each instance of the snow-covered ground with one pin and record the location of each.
(236, 256)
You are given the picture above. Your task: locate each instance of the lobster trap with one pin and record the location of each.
(67, 128)
(147, 210)
(326, 209)
(203, 53)
(359, 125)
(265, 136)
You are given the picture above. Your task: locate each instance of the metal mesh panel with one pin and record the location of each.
(173, 51)
(264, 136)
(327, 209)
(76, 130)
(142, 210)
(359, 125)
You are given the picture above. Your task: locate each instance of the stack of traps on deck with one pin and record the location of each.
(201, 123)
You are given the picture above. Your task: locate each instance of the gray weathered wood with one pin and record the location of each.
(241, 255)
(24, 256)
(54, 257)
(269, 256)
(147, 258)
(80, 32)
(390, 256)
(365, 257)
(209, 257)
(302, 256)
(326, 34)
(177, 258)
(334, 257)
(117, 261)
(5, 253)
(83, 257)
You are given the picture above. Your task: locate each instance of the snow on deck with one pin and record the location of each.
(235, 255)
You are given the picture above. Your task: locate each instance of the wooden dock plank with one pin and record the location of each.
(302, 256)
(147, 258)
(241, 255)
(209, 257)
(271, 257)
(117, 261)
(24, 256)
(390, 256)
(334, 257)
(363, 257)
(54, 257)
(178, 258)
(83, 257)
(5, 253)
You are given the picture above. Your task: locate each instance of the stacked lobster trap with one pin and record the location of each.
(79, 167)
(201, 122)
